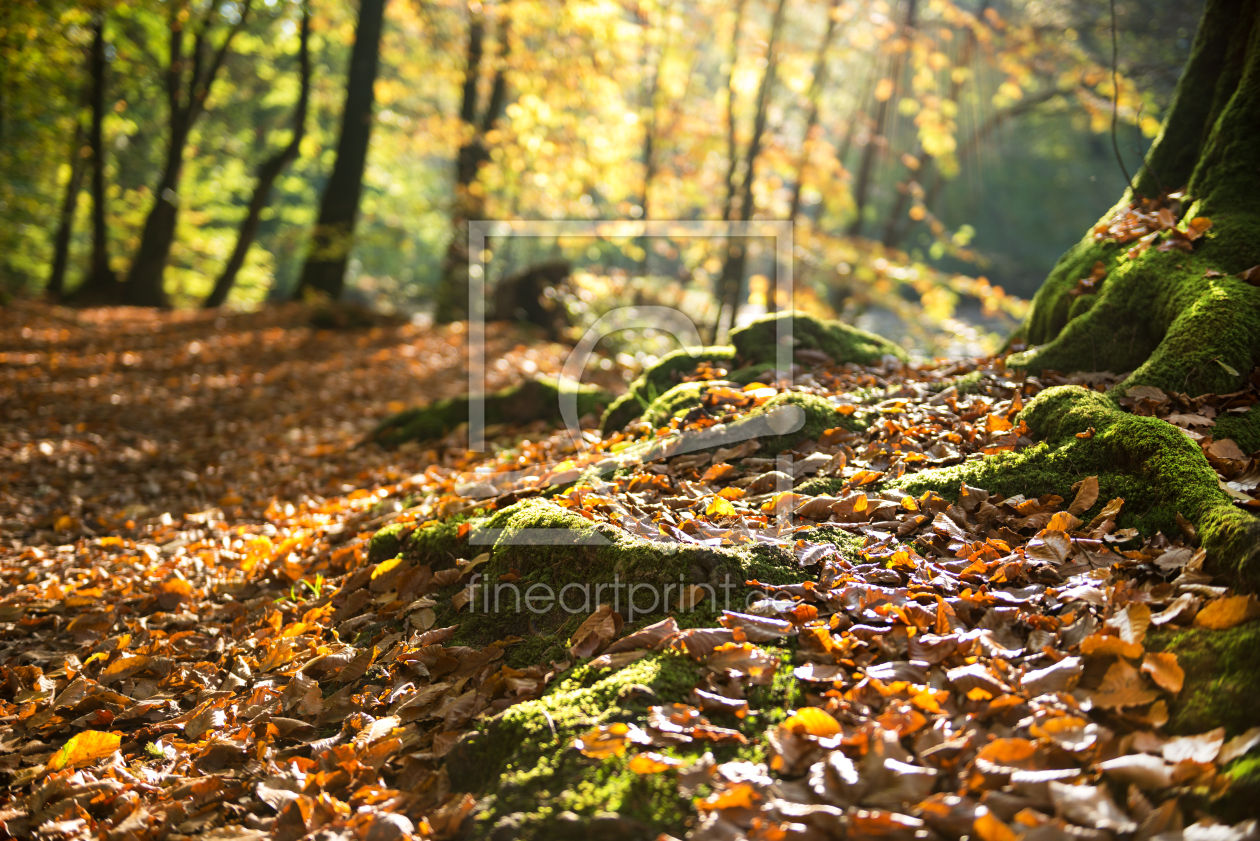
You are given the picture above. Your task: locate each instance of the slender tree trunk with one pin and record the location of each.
(333, 238)
(452, 293)
(144, 282)
(878, 139)
(268, 172)
(896, 228)
(648, 157)
(101, 284)
(732, 148)
(65, 223)
(814, 96)
(732, 277)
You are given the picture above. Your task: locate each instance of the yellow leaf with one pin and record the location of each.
(385, 566)
(720, 507)
(1227, 612)
(813, 721)
(1063, 521)
(1105, 645)
(84, 748)
(785, 501)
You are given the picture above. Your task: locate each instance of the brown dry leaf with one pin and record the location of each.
(1086, 495)
(1131, 622)
(1221, 614)
(1110, 511)
(1226, 449)
(595, 632)
(648, 637)
(1164, 670)
(987, 827)
(1122, 686)
(1140, 769)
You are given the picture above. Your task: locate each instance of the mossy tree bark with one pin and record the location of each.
(1169, 317)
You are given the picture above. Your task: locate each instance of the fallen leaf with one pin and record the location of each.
(1163, 669)
(1221, 614)
(83, 749)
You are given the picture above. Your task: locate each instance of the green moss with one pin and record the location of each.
(757, 342)
(658, 379)
(676, 401)
(1222, 677)
(570, 565)
(523, 764)
(537, 399)
(386, 543)
(750, 373)
(439, 543)
(1243, 428)
(1238, 802)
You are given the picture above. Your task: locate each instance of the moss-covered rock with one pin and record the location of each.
(524, 765)
(757, 343)
(1222, 683)
(566, 566)
(537, 399)
(755, 350)
(1242, 427)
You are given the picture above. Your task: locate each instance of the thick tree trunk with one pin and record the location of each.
(144, 282)
(267, 174)
(333, 238)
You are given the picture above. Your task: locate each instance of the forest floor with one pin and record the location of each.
(199, 635)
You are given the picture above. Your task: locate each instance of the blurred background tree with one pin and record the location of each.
(936, 155)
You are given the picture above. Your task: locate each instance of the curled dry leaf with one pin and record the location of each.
(1164, 670)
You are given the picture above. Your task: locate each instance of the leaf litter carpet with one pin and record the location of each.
(186, 520)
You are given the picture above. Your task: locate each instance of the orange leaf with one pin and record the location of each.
(1227, 612)
(84, 749)
(1164, 670)
(653, 763)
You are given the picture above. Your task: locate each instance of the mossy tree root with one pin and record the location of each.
(536, 399)
(753, 351)
(1158, 471)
